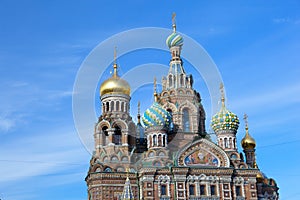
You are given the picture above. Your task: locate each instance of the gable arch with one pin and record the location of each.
(202, 153)
(120, 123)
(188, 105)
(171, 106)
(102, 124)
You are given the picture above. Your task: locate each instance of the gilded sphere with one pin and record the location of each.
(115, 85)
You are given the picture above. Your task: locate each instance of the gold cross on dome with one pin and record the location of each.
(246, 120)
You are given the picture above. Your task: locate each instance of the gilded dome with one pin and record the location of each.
(156, 115)
(259, 177)
(115, 85)
(248, 142)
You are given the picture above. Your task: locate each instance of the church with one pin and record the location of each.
(167, 154)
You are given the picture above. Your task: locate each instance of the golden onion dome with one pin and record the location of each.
(115, 85)
(248, 142)
(259, 177)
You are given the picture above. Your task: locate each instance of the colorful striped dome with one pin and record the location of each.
(156, 115)
(174, 40)
(225, 120)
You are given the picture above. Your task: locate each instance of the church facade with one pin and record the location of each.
(168, 155)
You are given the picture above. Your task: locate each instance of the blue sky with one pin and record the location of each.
(255, 45)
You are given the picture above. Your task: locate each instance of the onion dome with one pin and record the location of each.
(248, 142)
(259, 177)
(174, 40)
(115, 85)
(156, 115)
(225, 119)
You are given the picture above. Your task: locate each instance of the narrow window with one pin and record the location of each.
(202, 190)
(186, 120)
(163, 190)
(164, 141)
(154, 140)
(159, 140)
(181, 80)
(226, 142)
(213, 190)
(117, 136)
(192, 189)
(117, 106)
(112, 105)
(238, 191)
(107, 106)
(170, 81)
(122, 107)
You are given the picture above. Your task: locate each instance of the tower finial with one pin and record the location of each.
(174, 21)
(246, 122)
(139, 112)
(155, 92)
(115, 62)
(222, 94)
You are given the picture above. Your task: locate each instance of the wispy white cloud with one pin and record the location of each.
(279, 96)
(52, 152)
(286, 20)
(6, 123)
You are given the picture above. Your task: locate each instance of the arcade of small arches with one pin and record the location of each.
(183, 80)
(227, 142)
(113, 105)
(117, 135)
(157, 140)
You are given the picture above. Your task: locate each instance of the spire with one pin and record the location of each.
(222, 95)
(155, 91)
(127, 191)
(139, 112)
(174, 21)
(115, 63)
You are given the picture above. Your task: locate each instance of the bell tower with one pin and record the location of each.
(178, 96)
(115, 131)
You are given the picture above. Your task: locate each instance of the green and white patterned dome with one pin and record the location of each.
(156, 115)
(174, 40)
(225, 120)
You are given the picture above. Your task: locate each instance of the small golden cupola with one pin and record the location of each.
(247, 142)
(115, 85)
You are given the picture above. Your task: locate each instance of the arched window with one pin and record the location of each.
(186, 120)
(164, 141)
(105, 135)
(192, 189)
(230, 143)
(154, 140)
(181, 80)
(112, 105)
(171, 127)
(226, 142)
(233, 143)
(117, 106)
(170, 81)
(221, 142)
(117, 136)
(107, 106)
(122, 107)
(159, 140)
